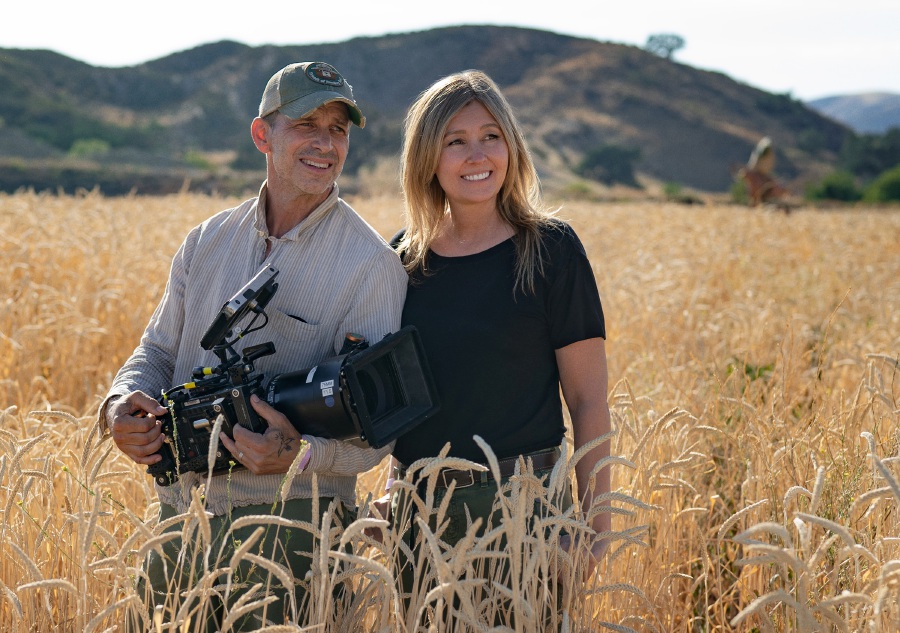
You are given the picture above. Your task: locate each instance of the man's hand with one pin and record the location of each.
(267, 453)
(134, 426)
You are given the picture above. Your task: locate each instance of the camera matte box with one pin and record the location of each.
(375, 394)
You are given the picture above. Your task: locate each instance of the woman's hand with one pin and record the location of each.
(594, 555)
(382, 510)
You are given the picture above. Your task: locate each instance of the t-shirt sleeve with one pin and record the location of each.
(573, 301)
(395, 240)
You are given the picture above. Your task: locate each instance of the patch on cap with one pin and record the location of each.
(324, 74)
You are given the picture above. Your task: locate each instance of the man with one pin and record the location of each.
(336, 275)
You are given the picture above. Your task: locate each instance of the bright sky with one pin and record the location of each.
(810, 48)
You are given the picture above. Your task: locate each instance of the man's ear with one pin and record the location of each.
(259, 132)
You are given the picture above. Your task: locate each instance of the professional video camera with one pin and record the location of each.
(372, 393)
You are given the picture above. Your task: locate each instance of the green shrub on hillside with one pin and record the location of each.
(198, 160)
(838, 185)
(885, 188)
(739, 193)
(88, 148)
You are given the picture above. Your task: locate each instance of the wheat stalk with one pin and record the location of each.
(740, 320)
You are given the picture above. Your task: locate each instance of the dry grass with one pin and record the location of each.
(755, 358)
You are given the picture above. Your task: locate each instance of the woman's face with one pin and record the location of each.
(474, 157)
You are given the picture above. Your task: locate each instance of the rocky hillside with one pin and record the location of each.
(151, 127)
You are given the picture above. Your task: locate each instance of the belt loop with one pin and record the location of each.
(484, 478)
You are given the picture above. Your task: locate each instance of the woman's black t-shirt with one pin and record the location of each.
(492, 352)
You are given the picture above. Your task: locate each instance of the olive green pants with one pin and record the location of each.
(194, 581)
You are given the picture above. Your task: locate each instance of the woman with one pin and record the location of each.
(504, 299)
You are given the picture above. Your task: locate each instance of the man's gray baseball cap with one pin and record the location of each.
(298, 89)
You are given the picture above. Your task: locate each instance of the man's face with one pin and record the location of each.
(308, 154)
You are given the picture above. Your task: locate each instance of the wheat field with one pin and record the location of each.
(754, 361)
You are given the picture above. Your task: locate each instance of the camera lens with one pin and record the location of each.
(380, 387)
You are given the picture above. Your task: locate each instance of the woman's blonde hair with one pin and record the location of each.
(519, 201)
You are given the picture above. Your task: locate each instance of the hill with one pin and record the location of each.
(867, 113)
(186, 116)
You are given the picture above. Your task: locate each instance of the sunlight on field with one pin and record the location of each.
(755, 389)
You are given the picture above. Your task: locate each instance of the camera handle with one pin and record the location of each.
(240, 371)
(258, 351)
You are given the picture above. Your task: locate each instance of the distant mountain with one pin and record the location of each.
(871, 113)
(151, 127)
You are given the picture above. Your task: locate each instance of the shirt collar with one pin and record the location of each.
(311, 220)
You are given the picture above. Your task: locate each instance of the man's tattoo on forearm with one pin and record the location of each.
(286, 442)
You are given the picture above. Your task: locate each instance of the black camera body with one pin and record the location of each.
(194, 409)
(371, 393)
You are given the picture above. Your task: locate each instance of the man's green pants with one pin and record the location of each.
(192, 580)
